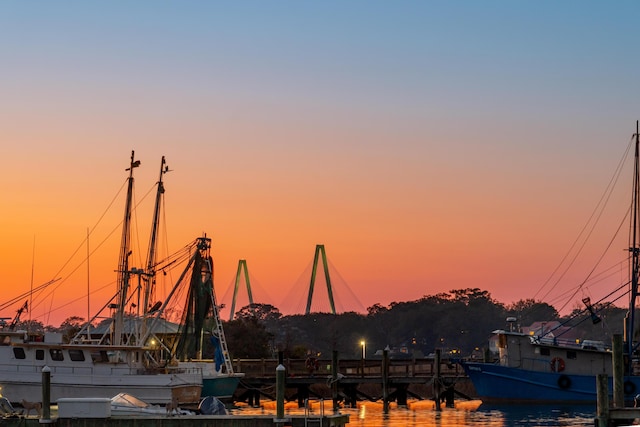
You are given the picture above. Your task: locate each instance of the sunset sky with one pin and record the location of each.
(429, 145)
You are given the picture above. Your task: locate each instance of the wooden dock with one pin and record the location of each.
(616, 414)
(334, 420)
(357, 379)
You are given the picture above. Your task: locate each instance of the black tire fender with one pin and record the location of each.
(564, 382)
(629, 387)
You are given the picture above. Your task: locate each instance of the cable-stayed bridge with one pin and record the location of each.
(320, 288)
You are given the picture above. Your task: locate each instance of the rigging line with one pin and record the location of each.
(181, 254)
(607, 305)
(116, 227)
(579, 287)
(165, 244)
(76, 251)
(25, 294)
(81, 245)
(349, 290)
(601, 279)
(597, 263)
(33, 261)
(62, 281)
(135, 232)
(624, 219)
(624, 285)
(578, 313)
(607, 192)
(594, 280)
(60, 307)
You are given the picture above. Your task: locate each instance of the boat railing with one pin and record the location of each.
(535, 364)
(190, 370)
(103, 369)
(554, 341)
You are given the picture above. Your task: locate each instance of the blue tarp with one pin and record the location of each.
(218, 357)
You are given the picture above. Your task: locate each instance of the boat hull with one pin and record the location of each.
(503, 384)
(220, 386)
(156, 389)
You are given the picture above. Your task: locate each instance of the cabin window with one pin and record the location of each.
(99, 356)
(545, 351)
(56, 354)
(39, 354)
(18, 353)
(572, 355)
(76, 355)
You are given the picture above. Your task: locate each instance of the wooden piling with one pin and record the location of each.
(437, 380)
(602, 408)
(385, 381)
(280, 379)
(334, 381)
(618, 372)
(46, 395)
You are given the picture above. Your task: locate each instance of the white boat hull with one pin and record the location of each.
(157, 389)
(90, 371)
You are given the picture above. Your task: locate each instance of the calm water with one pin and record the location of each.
(473, 413)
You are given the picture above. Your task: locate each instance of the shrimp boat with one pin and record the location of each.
(124, 352)
(541, 367)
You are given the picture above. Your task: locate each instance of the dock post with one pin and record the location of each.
(602, 407)
(334, 381)
(385, 381)
(436, 380)
(280, 378)
(46, 395)
(618, 372)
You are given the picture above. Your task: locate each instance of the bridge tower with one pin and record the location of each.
(242, 265)
(320, 251)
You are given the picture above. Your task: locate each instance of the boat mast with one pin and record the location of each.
(123, 263)
(635, 258)
(153, 244)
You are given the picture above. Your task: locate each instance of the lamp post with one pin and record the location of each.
(364, 353)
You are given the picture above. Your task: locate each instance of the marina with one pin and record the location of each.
(467, 173)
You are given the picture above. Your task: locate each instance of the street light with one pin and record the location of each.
(364, 349)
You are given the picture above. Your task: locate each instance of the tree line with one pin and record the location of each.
(459, 321)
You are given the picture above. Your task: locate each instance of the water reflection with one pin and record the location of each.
(465, 413)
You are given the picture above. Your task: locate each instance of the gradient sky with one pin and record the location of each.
(429, 145)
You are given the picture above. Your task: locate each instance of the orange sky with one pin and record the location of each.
(424, 159)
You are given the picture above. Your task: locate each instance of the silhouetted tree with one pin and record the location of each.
(247, 337)
(70, 327)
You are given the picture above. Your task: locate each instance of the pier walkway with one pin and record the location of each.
(357, 379)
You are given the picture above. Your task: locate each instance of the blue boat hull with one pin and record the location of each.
(503, 384)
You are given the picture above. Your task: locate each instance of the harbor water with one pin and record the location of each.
(465, 413)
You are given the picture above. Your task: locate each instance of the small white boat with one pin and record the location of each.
(126, 405)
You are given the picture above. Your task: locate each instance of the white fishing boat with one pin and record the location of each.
(124, 353)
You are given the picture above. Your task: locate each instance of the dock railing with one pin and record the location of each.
(416, 367)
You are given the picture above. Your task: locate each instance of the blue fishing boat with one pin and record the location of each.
(541, 367)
